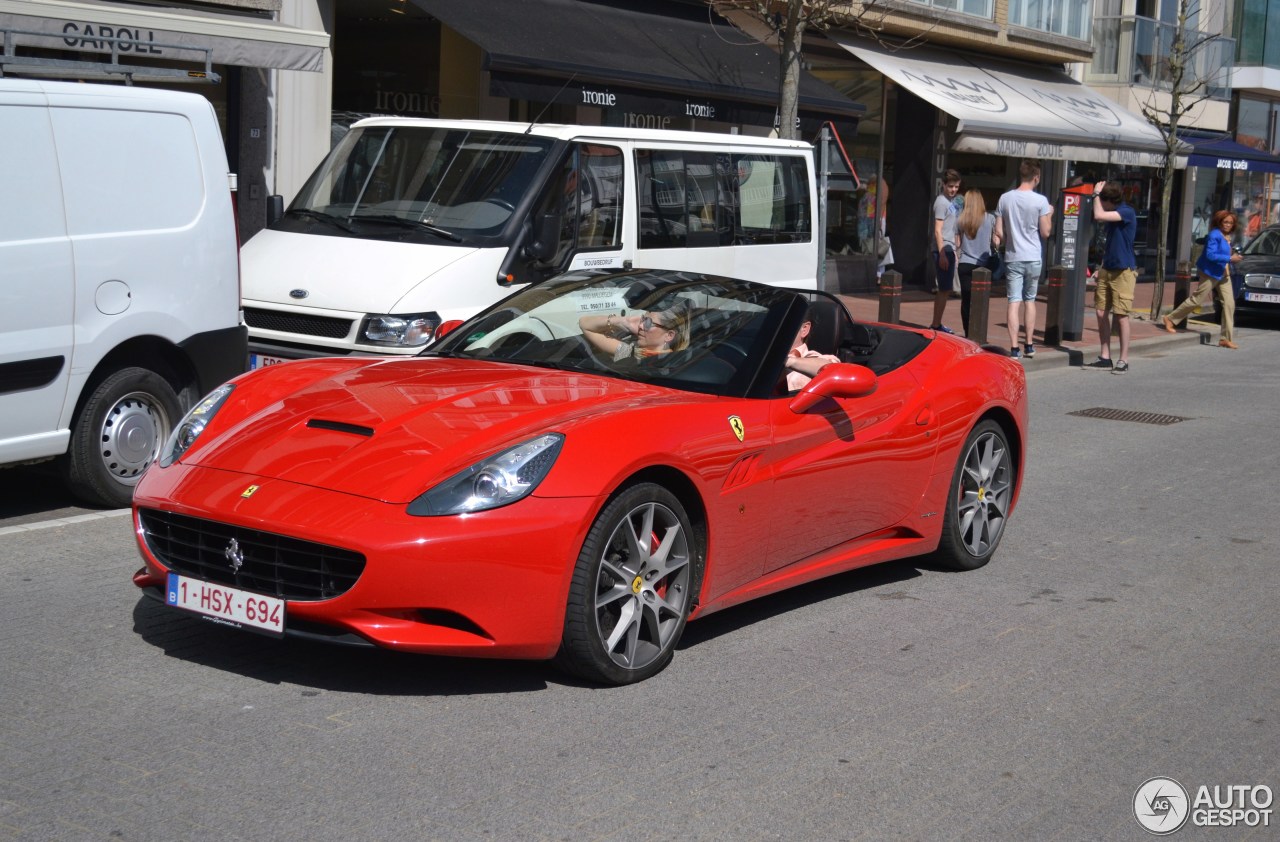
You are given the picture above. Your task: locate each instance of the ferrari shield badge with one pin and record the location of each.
(249, 492)
(735, 424)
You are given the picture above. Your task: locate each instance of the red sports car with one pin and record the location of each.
(578, 471)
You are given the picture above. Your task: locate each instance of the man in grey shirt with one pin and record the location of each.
(1024, 219)
(945, 243)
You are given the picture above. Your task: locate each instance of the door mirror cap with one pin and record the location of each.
(837, 380)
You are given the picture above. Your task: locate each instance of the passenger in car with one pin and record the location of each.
(640, 336)
(803, 364)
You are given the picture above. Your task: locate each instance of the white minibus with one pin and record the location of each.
(410, 224)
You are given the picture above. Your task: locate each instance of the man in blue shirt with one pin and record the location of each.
(1117, 276)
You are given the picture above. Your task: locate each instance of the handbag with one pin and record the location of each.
(882, 247)
(994, 263)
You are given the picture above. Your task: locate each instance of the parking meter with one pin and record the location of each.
(1074, 230)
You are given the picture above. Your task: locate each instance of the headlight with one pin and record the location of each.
(186, 433)
(493, 482)
(410, 331)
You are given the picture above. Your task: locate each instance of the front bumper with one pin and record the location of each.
(490, 584)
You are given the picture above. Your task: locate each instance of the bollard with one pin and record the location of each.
(1055, 288)
(1181, 288)
(979, 305)
(891, 297)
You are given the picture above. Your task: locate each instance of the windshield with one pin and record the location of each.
(729, 328)
(437, 183)
(1267, 243)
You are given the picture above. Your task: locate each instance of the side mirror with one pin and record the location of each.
(837, 380)
(546, 238)
(275, 208)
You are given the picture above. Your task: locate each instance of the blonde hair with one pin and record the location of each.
(676, 319)
(975, 211)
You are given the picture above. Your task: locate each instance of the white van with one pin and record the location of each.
(119, 283)
(413, 223)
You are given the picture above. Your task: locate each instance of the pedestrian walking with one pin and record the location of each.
(1116, 277)
(976, 228)
(1024, 220)
(1214, 270)
(945, 244)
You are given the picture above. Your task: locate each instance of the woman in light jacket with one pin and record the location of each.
(1214, 268)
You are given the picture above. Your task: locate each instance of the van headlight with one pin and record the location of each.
(497, 481)
(186, 433)
(400, 331)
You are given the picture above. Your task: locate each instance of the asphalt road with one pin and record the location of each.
(1126, 629)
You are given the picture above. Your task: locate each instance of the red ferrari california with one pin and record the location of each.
(579, 470)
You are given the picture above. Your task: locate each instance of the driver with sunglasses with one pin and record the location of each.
(641, 336)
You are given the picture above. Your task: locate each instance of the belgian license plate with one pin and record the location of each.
(262, 361)
(1263, 297)
(227, 606)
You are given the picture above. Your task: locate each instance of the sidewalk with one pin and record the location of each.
(1145, 336)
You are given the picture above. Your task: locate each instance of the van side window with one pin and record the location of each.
(773, 196)
(694, 199)
(587, 196)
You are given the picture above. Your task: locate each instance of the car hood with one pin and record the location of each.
(275, 263)
(391, 429)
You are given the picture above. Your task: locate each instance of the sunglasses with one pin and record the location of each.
(649, 323)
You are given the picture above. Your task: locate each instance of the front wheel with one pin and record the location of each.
(118, 433)
(979, 501)
(632, 589)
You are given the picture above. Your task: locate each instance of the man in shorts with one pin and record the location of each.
(946, 242)
(1024, 219)
(1117, 276)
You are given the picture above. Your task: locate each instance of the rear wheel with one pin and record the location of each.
(979, 501)
(632, 588)
(118, 433)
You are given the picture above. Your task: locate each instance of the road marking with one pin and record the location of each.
(64, 521)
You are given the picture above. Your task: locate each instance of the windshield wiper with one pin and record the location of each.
(410, 223)
(322, 217)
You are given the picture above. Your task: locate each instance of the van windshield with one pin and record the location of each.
(421, 183)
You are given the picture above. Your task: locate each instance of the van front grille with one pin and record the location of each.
(271, 564)
(325, 326)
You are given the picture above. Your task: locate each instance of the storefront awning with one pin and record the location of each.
(1018, 110)
(635, 57)
(151, 32)
(1224, 154)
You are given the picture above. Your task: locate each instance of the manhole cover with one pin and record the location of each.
(1128, 415)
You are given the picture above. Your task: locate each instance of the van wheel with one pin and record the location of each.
(118, 433)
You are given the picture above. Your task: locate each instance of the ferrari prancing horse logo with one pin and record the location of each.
(735, 424)
(249, 492)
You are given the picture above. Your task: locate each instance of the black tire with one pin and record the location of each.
(633, 587)
(979, 500)
(118, 433)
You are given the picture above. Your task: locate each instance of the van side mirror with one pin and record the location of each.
(275, 208)
(546, 238)
(837, 380)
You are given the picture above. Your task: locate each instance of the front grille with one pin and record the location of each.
(273, 564)
(325, 326)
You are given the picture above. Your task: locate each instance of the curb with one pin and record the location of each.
(1074, 357)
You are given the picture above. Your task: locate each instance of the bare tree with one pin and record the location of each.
(786, 21)
(1189, 78)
